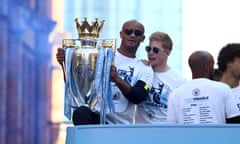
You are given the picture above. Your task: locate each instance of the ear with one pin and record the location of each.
(121, 33)
(208, 68)
(167, 51)
(142, 38)
(229, 64)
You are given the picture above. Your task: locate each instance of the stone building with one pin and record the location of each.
(25, 73)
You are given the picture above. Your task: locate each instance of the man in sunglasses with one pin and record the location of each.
(131, 80)
(154, 109)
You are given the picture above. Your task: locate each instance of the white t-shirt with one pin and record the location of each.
(201, 101)
(131, 70)
(154, 110)
(236, 93)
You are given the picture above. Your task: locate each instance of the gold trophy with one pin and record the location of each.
(80, 63)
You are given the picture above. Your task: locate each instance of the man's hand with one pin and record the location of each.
(146, 62)
(60, 56)
(121, 84)
(113, 73)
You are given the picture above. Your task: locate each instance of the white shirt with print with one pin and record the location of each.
(236, 93)
(154, 109)
(201, 101)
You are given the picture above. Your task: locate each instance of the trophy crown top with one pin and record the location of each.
(85, 30)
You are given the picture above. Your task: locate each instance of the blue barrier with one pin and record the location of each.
(154, 134)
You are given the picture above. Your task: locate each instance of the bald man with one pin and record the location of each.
(130, 77)
(201, 64)
(201, 100)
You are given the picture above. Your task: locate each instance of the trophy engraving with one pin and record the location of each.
(80, 63)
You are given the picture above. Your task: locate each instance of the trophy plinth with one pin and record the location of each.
(81, 63)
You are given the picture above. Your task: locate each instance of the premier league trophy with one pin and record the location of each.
(82, 58)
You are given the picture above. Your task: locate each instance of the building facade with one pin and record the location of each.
(25, 74)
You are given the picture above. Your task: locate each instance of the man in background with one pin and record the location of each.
(229, 65)
(201, 100)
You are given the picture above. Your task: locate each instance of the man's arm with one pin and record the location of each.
(135, 94)
(233, 120)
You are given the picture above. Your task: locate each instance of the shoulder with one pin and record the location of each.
(172, 77)
(221, 87)
(220, 84)
(177, 75)
(143, 65)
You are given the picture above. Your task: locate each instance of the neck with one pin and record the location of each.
(230, 80)
(126, 53)
(161, 68)
(200, 74)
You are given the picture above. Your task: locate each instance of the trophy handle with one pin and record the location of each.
(110, 43)
(68, 43)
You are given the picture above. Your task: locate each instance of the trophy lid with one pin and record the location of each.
(85, 30)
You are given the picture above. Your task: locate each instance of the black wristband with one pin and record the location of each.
(138, 93)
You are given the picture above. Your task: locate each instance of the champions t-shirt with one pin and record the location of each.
(131, 70)
(154, 109)
(236, 93)
(201, 101)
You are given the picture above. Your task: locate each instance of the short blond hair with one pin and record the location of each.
(162, 37)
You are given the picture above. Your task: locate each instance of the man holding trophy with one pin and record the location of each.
(130, 80)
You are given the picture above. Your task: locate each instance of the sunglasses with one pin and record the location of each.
(137, 33)
(148, 49)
